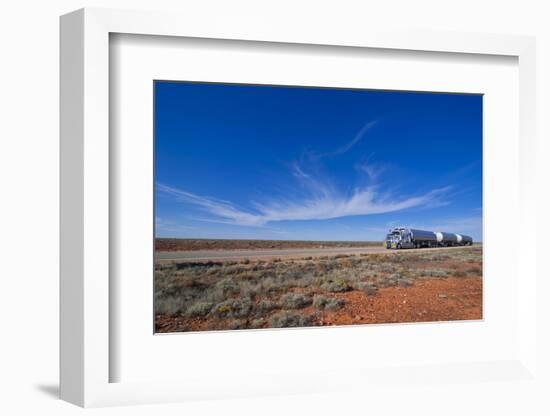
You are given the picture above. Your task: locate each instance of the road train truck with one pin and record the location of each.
(411, 238)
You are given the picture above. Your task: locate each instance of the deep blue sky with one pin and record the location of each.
(271, 162)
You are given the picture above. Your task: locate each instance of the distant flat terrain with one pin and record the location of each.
(188, 244)
(220, 255)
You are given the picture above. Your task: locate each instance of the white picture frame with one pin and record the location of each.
(85, 203)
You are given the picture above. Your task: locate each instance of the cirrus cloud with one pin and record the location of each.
(322, 203)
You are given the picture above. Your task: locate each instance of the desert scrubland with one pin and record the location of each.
(251, 293)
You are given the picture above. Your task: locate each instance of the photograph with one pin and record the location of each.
(279, 206)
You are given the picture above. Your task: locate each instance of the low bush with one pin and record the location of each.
(234, 308)
(199, 309)
(168, 305)
(295, 301)
(434, 273)
(328, 303)
(404, 282)
(286, 319)
(307, 280)
(237, 324)
(233, 269)
(266, 305)
(439, 273)
(386, 268)
(270, 285)
(368, 288)
(228, 286)
(348, 262)
(246, 276)
(258, 323)
(388, 281)
(248, 289)
(336, 285)
(437, 257)
(212, 271)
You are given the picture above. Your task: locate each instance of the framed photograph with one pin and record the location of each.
(305, 225)
(246, 213)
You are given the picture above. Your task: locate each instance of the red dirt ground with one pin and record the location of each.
(448, 299)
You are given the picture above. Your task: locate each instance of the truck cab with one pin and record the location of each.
(399, 238)
(389, 240)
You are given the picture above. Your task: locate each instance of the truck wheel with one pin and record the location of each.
(399, 246)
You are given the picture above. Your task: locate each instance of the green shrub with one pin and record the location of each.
(368, 288)
(387, 281)
(213, 270)
(286, 319)
(266, 305)
(386, 268)
(233, 269)
(434, 273)
(270, 285)
(237, 324)
(326, 302)
(234, 308)
(246, 276)
(295, 301)
(228, 286)
(439, 273)
(306, 280)
(248, 290)
(168, 305)
(404, 282)
(258, 323)
(199, 309)
(336, 285)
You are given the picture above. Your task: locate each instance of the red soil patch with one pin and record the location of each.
(429, 300)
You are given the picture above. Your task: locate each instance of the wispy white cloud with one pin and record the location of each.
(222, 210)
(321, 203)
(356, 139)
(373, 170)
(311, 183)
(362, 201)
(299, 173)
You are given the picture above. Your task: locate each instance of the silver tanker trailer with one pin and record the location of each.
(411, 238)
